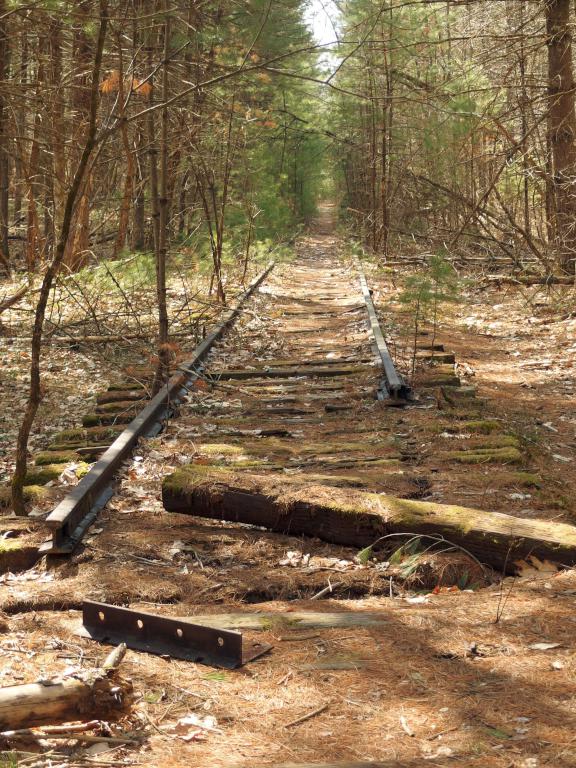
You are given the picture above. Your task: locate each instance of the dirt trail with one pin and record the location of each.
(413, 680)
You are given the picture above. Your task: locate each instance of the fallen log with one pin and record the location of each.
(532, 279)
(98, 691)
(358, 519)
(10, 301)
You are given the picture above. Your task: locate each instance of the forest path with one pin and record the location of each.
(393, 669)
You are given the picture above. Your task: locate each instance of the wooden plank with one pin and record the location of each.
(70, 518)
(287, 373)
(358, 519)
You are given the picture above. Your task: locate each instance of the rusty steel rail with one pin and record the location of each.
(393, 385)
(79, 508)
(165, 636)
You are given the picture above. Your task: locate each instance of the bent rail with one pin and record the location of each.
(78, 509)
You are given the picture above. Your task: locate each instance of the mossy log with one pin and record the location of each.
(436, 358)
(433, 379)
(32, 494)
(55, 457)
(457, 395)
(525, 479)
(120, 395)
(120, 406)
(81, 449)
(17, 555)
(478, 426)
(86, 436)
(121, 386)
(48, 472)
(503, 455)
(105, 419)
(358, 519)
(286, 373)
(489, 442)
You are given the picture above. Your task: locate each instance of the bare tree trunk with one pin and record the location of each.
(562, 126)
(58, 126)
(77, 245)
(20, 111)
(139, 213)
(4, 162)
(128, 194)
(35, 391)
(159, 187)
(34, 240)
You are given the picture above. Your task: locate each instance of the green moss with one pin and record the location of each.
(49, 472)
(480, 426)
(125, 386)
(32, 494)
(459, 394)
(191, 474)
(102, 419)
(318, 449)
(9, 545)
(436, 358)
(479, 444)
(55, 457)
(526, 479)
(254, 464)
(328, 512)
(220, 449)
(119, 406)
(86, 436)
(485, 456)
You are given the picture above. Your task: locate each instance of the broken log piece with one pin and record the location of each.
(97, 692)
(358, 519)
(487, 455)
(14, 299)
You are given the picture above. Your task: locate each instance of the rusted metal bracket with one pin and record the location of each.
(168, 637)
(78, 509)
(393, 385)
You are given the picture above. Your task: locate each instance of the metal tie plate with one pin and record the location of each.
(164, 636)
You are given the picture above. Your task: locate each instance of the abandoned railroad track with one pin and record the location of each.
(296, 494)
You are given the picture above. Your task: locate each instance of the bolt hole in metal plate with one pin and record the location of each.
(167, 637)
